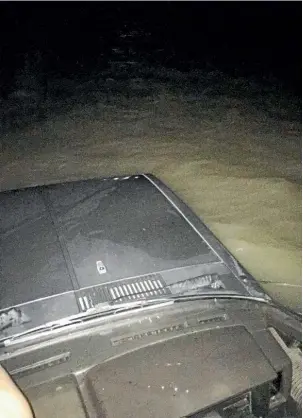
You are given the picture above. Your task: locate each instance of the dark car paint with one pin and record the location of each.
(52, 237)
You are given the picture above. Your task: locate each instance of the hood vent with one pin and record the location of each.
(148, 286)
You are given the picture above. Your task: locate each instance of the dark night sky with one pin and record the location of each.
(254, 37)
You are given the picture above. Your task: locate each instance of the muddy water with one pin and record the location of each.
(238, 169)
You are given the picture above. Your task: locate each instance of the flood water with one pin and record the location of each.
(237, 167)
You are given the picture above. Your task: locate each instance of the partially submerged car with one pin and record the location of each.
(117, 301)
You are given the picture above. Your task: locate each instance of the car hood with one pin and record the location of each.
(61, 242)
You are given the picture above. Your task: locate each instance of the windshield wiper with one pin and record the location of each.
(220, 295)
(208, 286)
(107, 309)
(119, 306)
(102, 309)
